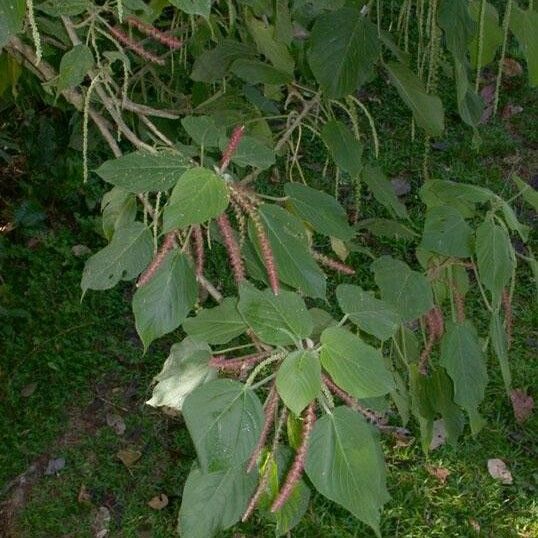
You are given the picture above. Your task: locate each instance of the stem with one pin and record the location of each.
(506, 24)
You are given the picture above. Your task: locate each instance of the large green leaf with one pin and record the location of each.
(494, 257)
(161, 305)
(499, 344)
(320, 210)
(127, 255)
(529, 194)
(212, 502)
(446, 232)
(289, 243)
(252, 152)
(276, 319)
(408, 291)
(383, 190)
(492, 35)
(345, 464)
(217, 325)
(343, 48)
(298, 380)
(198, 196)
(462, 358)
(368, 313)
(11, 19)
(224, 419)
(73, 67)
(524, 24)
(186, 367)
(143, 172)
(455, 19)
(427, 109)
(256, 72)
(345, 149)
(387, 228)
(119, 209)
(470, 104)
(194, 7)
(355, 366)
(203, 130)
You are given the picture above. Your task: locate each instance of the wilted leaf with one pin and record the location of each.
(101, 522)
(80, 250)
(439, 435)
(401, 186)
(54, 466)
(523, 404)
(116, 423)
(438, 472)
(84, 496)
(129, 456)
(158, 502)
(511, 110)
(511, 67)
(498, 470)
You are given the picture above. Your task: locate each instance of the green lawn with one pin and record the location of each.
(87, 363)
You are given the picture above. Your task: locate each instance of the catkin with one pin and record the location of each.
(166, 247)
(138, 49)
(232, 247)
(231, 148)
(198, 240)
(166, 39)
(333, 264)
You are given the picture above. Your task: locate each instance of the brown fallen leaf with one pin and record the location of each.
(80, 250)
(129, 456)
(158, 502)
(116, 423)
(101, 522)
(438, 472)
(439, 434)
(474, 524)
(522, 404)
(488, 93)
(511, 67)
(511, 110)
(84, 496)
(28, 390)
(498, 470)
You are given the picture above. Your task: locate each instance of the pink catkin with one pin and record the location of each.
(167, 246)
(234, 253)
(255, 499)
(166, 39)
(296, 470)
(198, 240)
(240, 363)
(231, 148)
(459, 303)
(508, 322)
(335, 265)
(269, 416)
(138, 49)
(435, 328)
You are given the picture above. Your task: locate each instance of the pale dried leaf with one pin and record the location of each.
(84, 496)
(511, 110)
(438, 472)
(116, 423)
(339, 248)
(498, 470)
(158, 502)
(439, 434)
(54, 466)
(129, 456)
(511, 67)
(488, 93)
(101, 522)
(522, 404)
(474, 524)
(401, 186)
(28, 390)
(80, 250)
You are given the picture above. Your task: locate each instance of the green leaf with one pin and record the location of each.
(499, 344)
(203, 130)
(492, 36)
(524, 24)
(217, 325)
(355, 366)
(198, 196)
(470, 104)
(320, 210)
(119, 209)
(368, 313)
(345, 149)
(345, 464)
(224, 419)
(283, 22)
(276, 319)
(73, 67)
(256, 72)
(293, 510)
(186, 367)
(462, 358)
(427, 109)
(494, 257)
(512, 221)
(127, 255)
(408, 291)
(212, 502)
(455, 19)
(161, 305)
(298, 380)
(11, 19)
(193, 7)
(289, 243)
(387, 228)
(143, 172)
(66, 8)
(527, 192)
(446, 232)
(343, 48)
(322, 320)
(252, 152)
(213, 64)
(383, 190)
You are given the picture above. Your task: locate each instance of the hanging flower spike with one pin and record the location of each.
(436, 322)
(198, 240)
(335, 265)
(122, 37)
(269, 412)
(296, 470)
(234, 253)
(166, 247)
(262, 486)
(459, 302)
(222, 363)
(231, 148)
(507, 307)
(166, 39)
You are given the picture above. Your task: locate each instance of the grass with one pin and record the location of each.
(87, 363)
